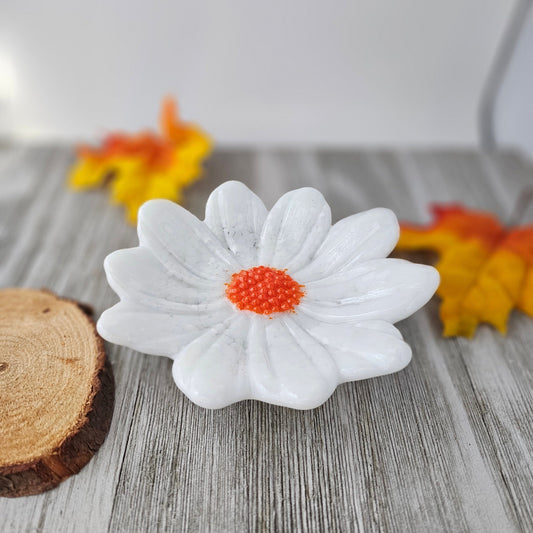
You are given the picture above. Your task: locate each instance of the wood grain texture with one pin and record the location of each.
(445, 445)
(56, 390)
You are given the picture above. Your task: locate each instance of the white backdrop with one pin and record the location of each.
(513, 111)
(404, 72)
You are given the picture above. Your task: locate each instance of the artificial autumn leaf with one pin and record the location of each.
(146, 165)
(486, 269)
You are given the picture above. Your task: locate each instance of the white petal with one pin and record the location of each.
(156, 333)
(382, 326)
(211, 370)
(287, 366)
(368, 235)
(135, 274)
(236, 216)
(387, 289)
(294, 229)
(368, 349)
(182, 243)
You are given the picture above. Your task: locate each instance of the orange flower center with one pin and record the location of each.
(264, 290)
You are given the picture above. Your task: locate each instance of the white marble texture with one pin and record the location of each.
(173, 301)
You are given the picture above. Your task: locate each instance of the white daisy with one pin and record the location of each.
(277, 306)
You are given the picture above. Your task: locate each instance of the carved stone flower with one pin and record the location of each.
(277, 306)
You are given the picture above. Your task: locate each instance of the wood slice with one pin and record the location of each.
(56, 390)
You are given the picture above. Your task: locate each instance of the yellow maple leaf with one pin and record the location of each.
(146, 165)
(486, 269)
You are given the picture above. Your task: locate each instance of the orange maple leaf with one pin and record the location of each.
(140, 166)
(486, 269)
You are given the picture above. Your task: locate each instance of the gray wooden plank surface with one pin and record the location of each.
(445, 445)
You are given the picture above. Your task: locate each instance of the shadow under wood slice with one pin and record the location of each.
(56, 390)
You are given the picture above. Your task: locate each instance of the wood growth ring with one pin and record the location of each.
(56, 390)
